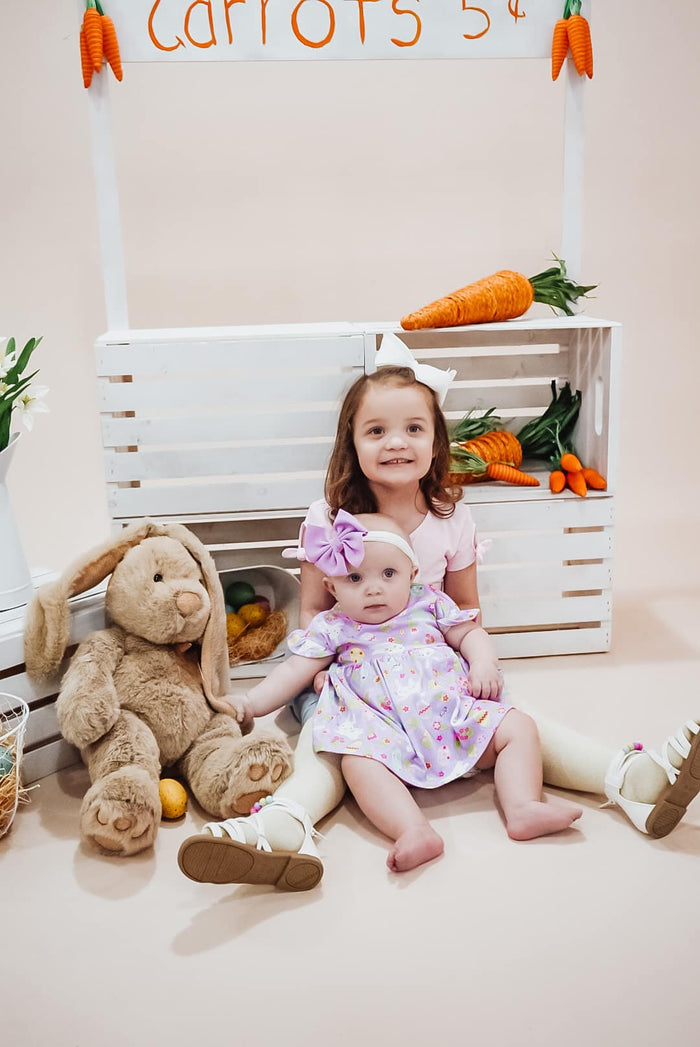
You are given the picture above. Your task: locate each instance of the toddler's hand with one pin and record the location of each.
(484, 680)
(319, 680)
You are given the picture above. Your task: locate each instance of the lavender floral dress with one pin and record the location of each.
(397, 692)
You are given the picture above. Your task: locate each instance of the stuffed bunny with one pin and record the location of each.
(142, 694)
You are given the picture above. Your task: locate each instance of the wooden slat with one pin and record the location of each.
(47, 759)
(536, 643)
(42, 725)
(504, 613)
(228, 393)
(525, 582)
(19, 684)
(310, 421)
(550, 548)
(218, 461)
(243, 358)
(547, 513)
(186, 500)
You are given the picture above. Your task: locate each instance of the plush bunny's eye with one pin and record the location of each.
(157, 577)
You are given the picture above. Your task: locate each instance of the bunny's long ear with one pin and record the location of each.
(47, 624)
(214, 657)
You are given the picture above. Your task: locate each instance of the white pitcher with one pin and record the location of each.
(16, 587)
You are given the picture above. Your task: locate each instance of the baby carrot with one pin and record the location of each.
(92, 24)
(85, 60)
(111, 46)
(508, 474)
(576, 483)
(570, 463)
(557, 481)
(594, 479)
(560, 46)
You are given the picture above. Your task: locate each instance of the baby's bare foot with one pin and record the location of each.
(414, 847)
(540, 819)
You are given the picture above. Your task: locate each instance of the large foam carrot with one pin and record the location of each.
(579, 34)
(503, 296)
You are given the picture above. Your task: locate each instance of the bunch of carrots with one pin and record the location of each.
(572, 33)
(98, 40)
(502, 296)
(481, 449)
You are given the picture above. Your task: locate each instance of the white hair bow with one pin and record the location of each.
(395, 353)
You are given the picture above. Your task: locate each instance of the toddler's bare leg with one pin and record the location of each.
(518, 779)
(391, 808)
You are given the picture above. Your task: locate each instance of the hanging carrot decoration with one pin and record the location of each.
(92, 27)
(85, 60)
(560, 46)
(111, 46)
(572, 33)
(503, 296)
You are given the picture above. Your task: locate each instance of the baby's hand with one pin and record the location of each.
(484, 680)
(241, 711)
(319, 680)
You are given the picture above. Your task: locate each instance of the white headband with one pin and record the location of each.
(389, 538)
(395, 353)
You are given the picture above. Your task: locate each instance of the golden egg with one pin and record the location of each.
(235, 625)
(173, 798)
(253, 613)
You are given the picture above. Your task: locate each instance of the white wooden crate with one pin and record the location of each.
(228, 430)
(45, 751)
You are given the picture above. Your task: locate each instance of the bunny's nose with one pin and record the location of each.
(188, 603)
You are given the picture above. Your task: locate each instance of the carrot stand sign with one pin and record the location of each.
(254, 30)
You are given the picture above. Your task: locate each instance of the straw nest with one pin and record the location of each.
(259, 642)
(11, 790)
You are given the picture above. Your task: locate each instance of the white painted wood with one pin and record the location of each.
(42, 726)
(520, 582)
(214, 30)
(113, 271)
(240, 356)
(572, 194)
(504, 613)
(33, 692)
(553, 642)
(39, 763)
(311, 420)
(553, 548)
(551, 513)
(190, 499)
(279, 457)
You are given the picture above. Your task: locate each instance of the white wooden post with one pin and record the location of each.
(572, 194)
(113, 271)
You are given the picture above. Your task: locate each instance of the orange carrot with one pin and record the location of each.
(560, 46)
(579, 34)
(594, 479)
(497, 446)
(576, 483)
(570, 463)
(111, 46)
(85, 60)
(92, 25)
(509, 475)
(503, 296)
(557, 481)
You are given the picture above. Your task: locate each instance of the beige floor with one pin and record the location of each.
(586, 938)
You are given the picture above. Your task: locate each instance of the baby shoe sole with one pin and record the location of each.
(673, 801)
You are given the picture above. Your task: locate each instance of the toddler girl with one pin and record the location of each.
(411, 697)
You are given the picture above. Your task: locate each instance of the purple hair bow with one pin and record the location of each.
(333, 553)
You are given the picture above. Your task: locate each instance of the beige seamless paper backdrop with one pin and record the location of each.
(269, 193)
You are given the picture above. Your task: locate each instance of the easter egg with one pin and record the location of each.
(234, 625)
(173, 798)
(264, 602)
(6, 761)
(253, 613)
(238, 593)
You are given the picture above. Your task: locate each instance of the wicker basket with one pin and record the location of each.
(14, 713)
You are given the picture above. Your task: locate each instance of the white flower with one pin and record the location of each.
(30, 404)
(7, 361)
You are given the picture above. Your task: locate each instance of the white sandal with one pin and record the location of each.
(220, 853)
(660, 818)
